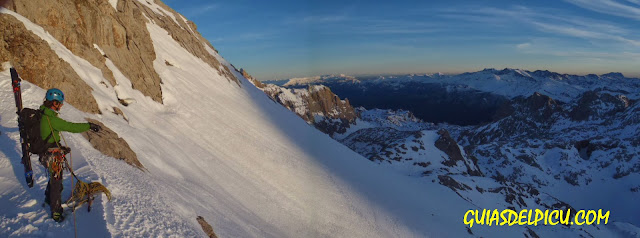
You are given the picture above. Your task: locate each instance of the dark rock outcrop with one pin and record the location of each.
(109, 143)
(450, 147)
(542, 103)
(447, 145)
(451, 183)
(532, 115)
(598, 105)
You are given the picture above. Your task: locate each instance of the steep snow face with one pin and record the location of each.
(218, 150)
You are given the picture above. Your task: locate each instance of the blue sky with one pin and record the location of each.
(283, 39)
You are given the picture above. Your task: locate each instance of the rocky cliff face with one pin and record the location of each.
(598, 105)
(317, 105)
(109, 35)
(120, 32)
(37, 63)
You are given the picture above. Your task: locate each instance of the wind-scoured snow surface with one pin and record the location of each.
(227, 153)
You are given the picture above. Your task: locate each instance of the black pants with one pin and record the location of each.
(53, 193)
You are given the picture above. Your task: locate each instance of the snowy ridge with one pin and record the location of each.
(319, 79)
(292, 96)
(507, 82)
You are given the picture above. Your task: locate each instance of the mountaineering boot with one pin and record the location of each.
(57, 216)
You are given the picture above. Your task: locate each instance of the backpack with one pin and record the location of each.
(30, 119)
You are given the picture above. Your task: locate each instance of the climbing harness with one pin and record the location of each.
(55, 163)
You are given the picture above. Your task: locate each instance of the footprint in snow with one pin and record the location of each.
(29, 203)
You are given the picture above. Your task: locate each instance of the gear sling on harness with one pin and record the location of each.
(55, 162)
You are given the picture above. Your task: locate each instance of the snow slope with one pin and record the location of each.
(217, 150)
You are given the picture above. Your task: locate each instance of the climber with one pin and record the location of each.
(53, 159)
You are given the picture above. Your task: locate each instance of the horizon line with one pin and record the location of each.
(451, 73)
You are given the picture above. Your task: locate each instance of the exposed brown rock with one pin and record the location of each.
(37, 63)
(314, 101)
(109, 143)
(122, 35)
(325, 101)
(119, 112)
(206, 227)
(253, 80)
(76, 24)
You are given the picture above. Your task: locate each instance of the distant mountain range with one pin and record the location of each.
(463, 99)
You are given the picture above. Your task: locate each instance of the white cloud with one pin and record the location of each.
(583, 33)
(324, 19)
(523, 46)
(551, 21)
(611, 7)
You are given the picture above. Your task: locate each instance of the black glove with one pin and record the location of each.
(94, 127)
(65, 150)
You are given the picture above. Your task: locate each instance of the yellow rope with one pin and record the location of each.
(75, 227)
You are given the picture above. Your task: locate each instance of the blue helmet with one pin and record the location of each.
(54, 94)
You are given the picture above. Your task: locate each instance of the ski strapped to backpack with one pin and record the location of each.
(26, 157)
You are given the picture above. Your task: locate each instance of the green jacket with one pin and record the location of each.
(58, 125)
